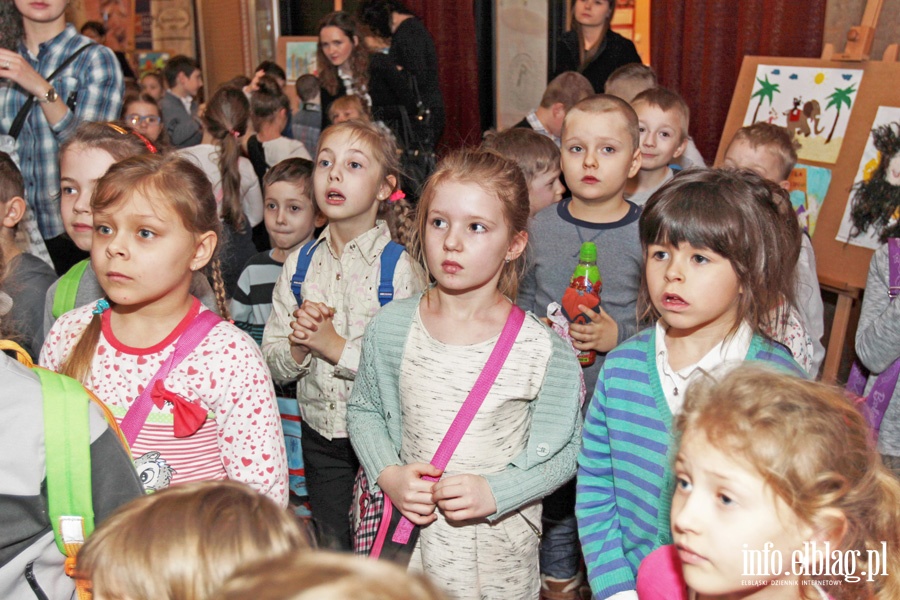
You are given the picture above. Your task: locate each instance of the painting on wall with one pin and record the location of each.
(520, 59)
(814, 104)
(298, 55)
(808, 188)
(868, 168)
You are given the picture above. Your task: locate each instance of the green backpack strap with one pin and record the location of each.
(67, 289)
(67, 442)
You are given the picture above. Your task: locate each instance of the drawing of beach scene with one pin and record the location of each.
(814, 104)
(808, 188)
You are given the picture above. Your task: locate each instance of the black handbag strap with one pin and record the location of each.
(19, 121)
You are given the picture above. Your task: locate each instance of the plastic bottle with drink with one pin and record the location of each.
(584, 289)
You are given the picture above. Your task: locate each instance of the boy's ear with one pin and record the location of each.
(206, 247)
(785, 185)
(636, 161)
(321, 220)
(681, 148)
(13, 211)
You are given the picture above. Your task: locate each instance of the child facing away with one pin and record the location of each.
(192, 538)
(562, 93)
(33, 565)
(83, 159)
(234, 181)
(212, 415)
(538, 158)
(325, 575)
(758, 478)
(768, 151)
(627, 82)
(319, 342)
(270, 111)
(664, 117)
(26, 277)
(600, 151)
(712, 279)
(421, 356)
(306, 122)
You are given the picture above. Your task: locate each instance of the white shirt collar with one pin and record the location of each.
(674, 383)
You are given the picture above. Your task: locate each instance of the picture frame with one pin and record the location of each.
(298, 55)
(520, 58)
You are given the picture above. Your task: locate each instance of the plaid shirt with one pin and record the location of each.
(93, 81)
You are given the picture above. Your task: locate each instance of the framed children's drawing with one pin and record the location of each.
(298, 55)
(520, 58)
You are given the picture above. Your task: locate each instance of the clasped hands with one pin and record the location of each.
(459, 497)
(312, 330)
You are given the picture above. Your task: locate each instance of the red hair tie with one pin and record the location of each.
(397, 196)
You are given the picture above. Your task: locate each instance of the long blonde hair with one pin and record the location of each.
(189, 194)
(325, 576)
(814, 449)
(183, 542)
(500, 178)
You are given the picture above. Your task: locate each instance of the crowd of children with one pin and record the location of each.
(269, 331)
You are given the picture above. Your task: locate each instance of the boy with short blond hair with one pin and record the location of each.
(561, 94)
(629, 80)
(538, 158)
(663, 116)
(764, 148)
(600, 151)
(769, 151)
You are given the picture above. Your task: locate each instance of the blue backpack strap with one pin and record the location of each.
(389, 257)
(303, 261)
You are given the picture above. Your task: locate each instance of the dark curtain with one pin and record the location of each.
(698, 46)
(452, 25)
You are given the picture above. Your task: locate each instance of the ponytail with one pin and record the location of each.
(225, 119)
(78, 364)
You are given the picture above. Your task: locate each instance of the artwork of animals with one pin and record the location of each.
(813, 104)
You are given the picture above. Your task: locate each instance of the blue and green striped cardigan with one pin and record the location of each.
(625, 483)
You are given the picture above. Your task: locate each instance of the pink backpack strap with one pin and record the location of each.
(470, 407)
(137, 415)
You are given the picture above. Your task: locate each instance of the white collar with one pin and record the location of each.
(731, 349)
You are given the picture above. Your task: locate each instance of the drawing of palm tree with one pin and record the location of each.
(840, 97)
(766, 92)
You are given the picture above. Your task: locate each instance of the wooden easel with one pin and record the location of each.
(858, 49)
(842, 268)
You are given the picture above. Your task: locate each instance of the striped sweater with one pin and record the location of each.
(625, 483)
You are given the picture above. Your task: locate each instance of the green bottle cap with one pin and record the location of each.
(588, 252)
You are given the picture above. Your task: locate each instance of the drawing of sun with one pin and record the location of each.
(820, 77)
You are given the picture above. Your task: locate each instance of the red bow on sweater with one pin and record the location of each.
(189, 416)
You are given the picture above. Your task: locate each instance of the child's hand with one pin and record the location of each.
(410, 493)
(601, 334)
(464, 497)
(313, 327)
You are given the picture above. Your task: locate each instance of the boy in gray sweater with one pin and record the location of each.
(600, 151)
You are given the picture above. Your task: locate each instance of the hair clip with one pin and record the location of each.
(102, 305)
(235, 133)
(397, 196)
(150, 146)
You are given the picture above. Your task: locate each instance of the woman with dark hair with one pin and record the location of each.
(412, 47)
(346, 67)
(591, 47)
